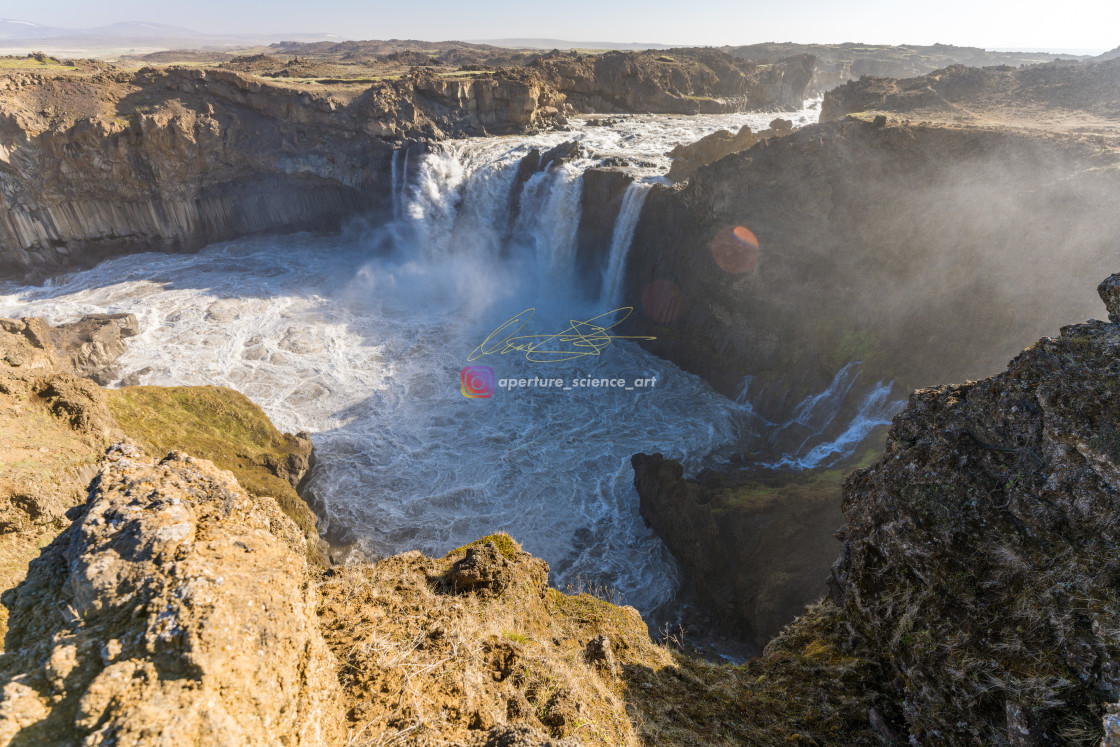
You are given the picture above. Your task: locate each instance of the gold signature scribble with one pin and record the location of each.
(579, 339)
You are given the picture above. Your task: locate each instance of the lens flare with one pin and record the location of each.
(662, 301)
(735, 250)
(477, 382)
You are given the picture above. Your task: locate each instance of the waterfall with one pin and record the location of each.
(624, 227)
(399, 185)
(877, 408)
(394, 187)
(458, 203)
(548, 221)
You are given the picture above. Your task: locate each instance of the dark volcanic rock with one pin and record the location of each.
(754, 554)
(710, 148)
(929, 253)
(600, 204)
(561, 154)
(1109, 291)
(981, 555)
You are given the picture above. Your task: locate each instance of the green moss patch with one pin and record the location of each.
(507, 545)
(218, 424)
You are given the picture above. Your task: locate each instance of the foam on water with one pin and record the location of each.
(404, 459)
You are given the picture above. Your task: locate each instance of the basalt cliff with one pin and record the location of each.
(98, 160)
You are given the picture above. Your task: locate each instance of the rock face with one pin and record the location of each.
(888, 245)
(175, 609)
(95, 342)
(1109, 291)
(88, 347)
(980, 553)
(754, 551)
(600, 205)
(710, 148)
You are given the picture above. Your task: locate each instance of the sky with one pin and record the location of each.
(983, 23)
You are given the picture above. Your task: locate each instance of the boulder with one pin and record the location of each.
(95, 342)
(1109, 291)
(482, 568)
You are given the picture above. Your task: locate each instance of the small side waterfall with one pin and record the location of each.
(810, 439)
(399, 184)
(624, 227)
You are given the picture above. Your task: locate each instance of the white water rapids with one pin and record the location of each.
(360, 339)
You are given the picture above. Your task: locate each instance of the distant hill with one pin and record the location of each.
(1111, 55)
(11, 28)
(562, 44)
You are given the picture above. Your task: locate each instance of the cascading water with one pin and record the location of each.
(361, 339)
(621, 240)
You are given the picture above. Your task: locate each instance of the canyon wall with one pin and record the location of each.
(101, 161)
(927, 252)
(1036, 96)
(684, 81)
(836, 64)
(171, 161)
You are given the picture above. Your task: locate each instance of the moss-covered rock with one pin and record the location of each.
(227, 428)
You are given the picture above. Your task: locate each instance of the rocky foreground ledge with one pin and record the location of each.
(974, 600)
(981, 553)
(179, 609)
(148, 619)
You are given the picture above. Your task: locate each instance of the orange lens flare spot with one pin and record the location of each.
(662, 301)
(735, 250)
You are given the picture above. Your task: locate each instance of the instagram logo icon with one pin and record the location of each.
(477, 382)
